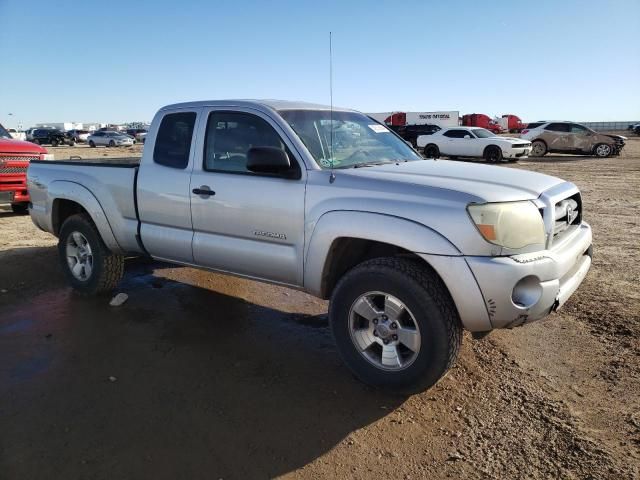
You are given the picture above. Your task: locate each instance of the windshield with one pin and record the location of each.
(4, 133)
(357, 139)
(482, 133)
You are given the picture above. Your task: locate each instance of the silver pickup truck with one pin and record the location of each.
(409, 251)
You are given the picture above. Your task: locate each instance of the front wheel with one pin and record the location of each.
(431, 151)
(112, 143)
(91, 144)
(493, 154)
(20, 208)
(395, 324)
(603, 150)
(88, 264)
(538, 148)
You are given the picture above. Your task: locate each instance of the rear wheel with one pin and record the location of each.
(54, 143)
(395, 324)
(91, 144)
(112, 143)
(88, 264)
(431, 151)
(36, 141)
(538, 148)
(493, 154)
(602, 150)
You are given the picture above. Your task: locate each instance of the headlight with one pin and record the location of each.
(512, 225)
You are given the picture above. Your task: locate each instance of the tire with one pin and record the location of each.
(36, 141)
(538, 148)
(91, 144)
(54, 143)
(428, 306)
(602, 150)
(112, 144)
(20, 208)
(72, 143)
(103, 269)
(493, 154)
(432, 151)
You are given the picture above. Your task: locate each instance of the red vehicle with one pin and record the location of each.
(15, 156)
(481, 120)
(513, 123)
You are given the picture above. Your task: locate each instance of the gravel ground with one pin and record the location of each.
(205, 376)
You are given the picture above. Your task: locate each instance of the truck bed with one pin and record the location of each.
(107, 185)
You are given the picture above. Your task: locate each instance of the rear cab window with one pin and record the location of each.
(173, 141)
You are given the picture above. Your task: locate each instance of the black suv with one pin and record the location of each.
(49, 136)
(410, 133)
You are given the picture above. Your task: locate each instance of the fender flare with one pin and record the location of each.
(66, 190)
(415, 237)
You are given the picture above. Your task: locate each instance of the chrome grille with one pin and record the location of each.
(567, 214)
(18, 158)
(13, 169)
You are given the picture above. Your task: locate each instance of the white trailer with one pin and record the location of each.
(442, 119)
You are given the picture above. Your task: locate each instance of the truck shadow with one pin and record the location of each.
(179, 382)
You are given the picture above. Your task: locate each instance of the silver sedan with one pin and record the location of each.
(109, 139)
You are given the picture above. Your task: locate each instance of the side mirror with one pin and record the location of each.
(467, 137)
(268, 160)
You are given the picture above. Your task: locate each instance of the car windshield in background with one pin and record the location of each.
(347, 139)
(482, 133)
(4, 133)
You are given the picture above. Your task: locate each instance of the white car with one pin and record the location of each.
(141, 136)
(473, 142)
(109, 139)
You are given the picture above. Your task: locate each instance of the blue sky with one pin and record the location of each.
(120, 61)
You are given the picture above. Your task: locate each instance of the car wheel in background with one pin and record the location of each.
(538, 148)
(493, 154)
(54, 143)
(112, 143)
(91, 144)
(602, 150)
(395, 324)
(431, 151)
(88, 264)
(20, 208)
(36, 141)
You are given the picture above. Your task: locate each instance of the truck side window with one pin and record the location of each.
(173, 143)
(229, 137)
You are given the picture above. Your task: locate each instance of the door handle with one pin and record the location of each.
(204, 190)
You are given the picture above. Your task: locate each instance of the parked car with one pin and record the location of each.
(16, 134)
(15, 156)
(635, 128)
(410, 133)
(49, 136)
(141, 137)
(109, 139)
(134, 132)
(569, 137)
(78, 136)
(410, 251)
(473, 142)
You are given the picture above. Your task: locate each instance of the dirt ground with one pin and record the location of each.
(204, 376)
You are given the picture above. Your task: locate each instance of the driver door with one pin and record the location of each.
(250, 224)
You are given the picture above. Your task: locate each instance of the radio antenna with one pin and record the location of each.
(332, 177)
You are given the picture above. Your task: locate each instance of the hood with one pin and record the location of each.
(615, 137)
(8, 145)
(483, 182)
(515, 140)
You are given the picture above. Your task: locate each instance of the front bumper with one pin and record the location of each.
(516, 152)
(524, 288)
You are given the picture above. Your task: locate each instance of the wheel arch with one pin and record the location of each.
(343, 239)
(69, 198)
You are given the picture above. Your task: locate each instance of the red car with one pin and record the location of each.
(15, 156)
